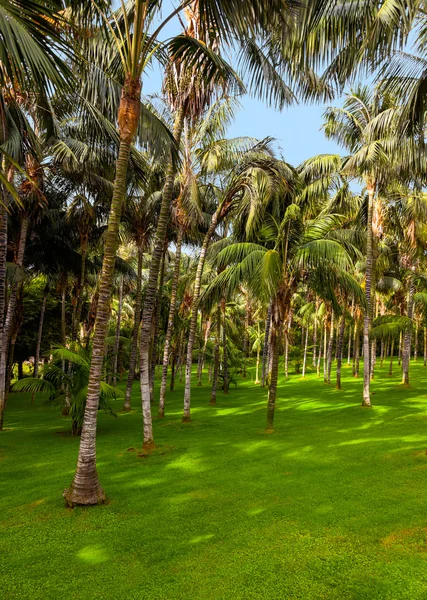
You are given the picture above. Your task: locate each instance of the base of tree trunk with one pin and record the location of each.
(269, 429)
(148, 446)
(366, 404)
(65, 411)
(185, 419)
(161, 414)
(84, 498)
(212, 403)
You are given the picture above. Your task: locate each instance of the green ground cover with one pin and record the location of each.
(331, 505)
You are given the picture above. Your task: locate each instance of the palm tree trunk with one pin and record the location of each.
(407, 338)
(390, 370)
(40, 333)
(315, 340)
(85, 488)
(399, 356)
(136, 323)
(416, 342)
(286, 354)
(319, 357)
(152, 286)
(257, 366)
(368, 313)
(272, 389)
(340, 347)
(117, 333)
(203, 353)
(80, 289)
(194, 313)
(224, 350)
(216, 355)
(3, 253)
(10, 313)
(265, 346)
(425, 346)
(156, 321)
(171, 317)
(330, 348)
(325, 353)
(304, 362)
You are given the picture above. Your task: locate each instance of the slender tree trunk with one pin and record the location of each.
(173, 371)
(315, 340)
(330, 348)
(171, 317)
(304, 362)
(272, 389)
(286, 354)
(390, 370)
(340, 347)
(265, 346)
(152, 286)
(407, 338)
(319, 357)
(156, 321)
(40, 334)
(325, 353)
(416, 342)
(85, 488)
(258, 355)
(80, 289)
(3, 283)
(135, 332)
(203, 353)
(224, 350)
(216, 355)
(399, 358)
(368, 313)
(10, 313)
(425, 346)
(117, 333)
(194, 313)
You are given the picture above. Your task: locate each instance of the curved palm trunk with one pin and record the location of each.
(117, 333)
(169, 330)
(151, 288)
(194, 313)
(407, 338)
(40, 334)
(272, 390)
(367, 318)
(340, 345)
(85, 488)
(216, 356)
(265, 346)
(135, 332)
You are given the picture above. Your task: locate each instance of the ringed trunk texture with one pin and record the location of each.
(85, 488)
(152, 286)
(194, 313)
(265, 346)
(171, 317)
(367, 319)
(272, 389)
(216, 356)
(136, 323)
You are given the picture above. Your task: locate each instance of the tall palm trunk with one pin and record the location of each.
(425, 346)
(304, 362)
(258, 354)
(11, 305)
(224, 349)
(265, 346)
(3, 253)
(194, 313)
(325, 353)
(40, 333)
(135, 332)
(117, 333)
(340, 348)
(152, 287)
(156, 321)
(390, 370)
(315, 340)
(407, 338)
(85, 488)
(286, 354)
(319, 357)
(216, 355)
(330, 348)
(272, 389)
(416, 342)
(368, 283)
(171, 317)
(203, 353)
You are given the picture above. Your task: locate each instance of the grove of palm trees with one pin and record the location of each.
(212, 360)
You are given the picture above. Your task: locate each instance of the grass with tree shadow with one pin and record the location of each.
(333, 504)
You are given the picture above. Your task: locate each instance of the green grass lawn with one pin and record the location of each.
(331, 505)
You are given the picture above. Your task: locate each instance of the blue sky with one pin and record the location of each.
(297, 128)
